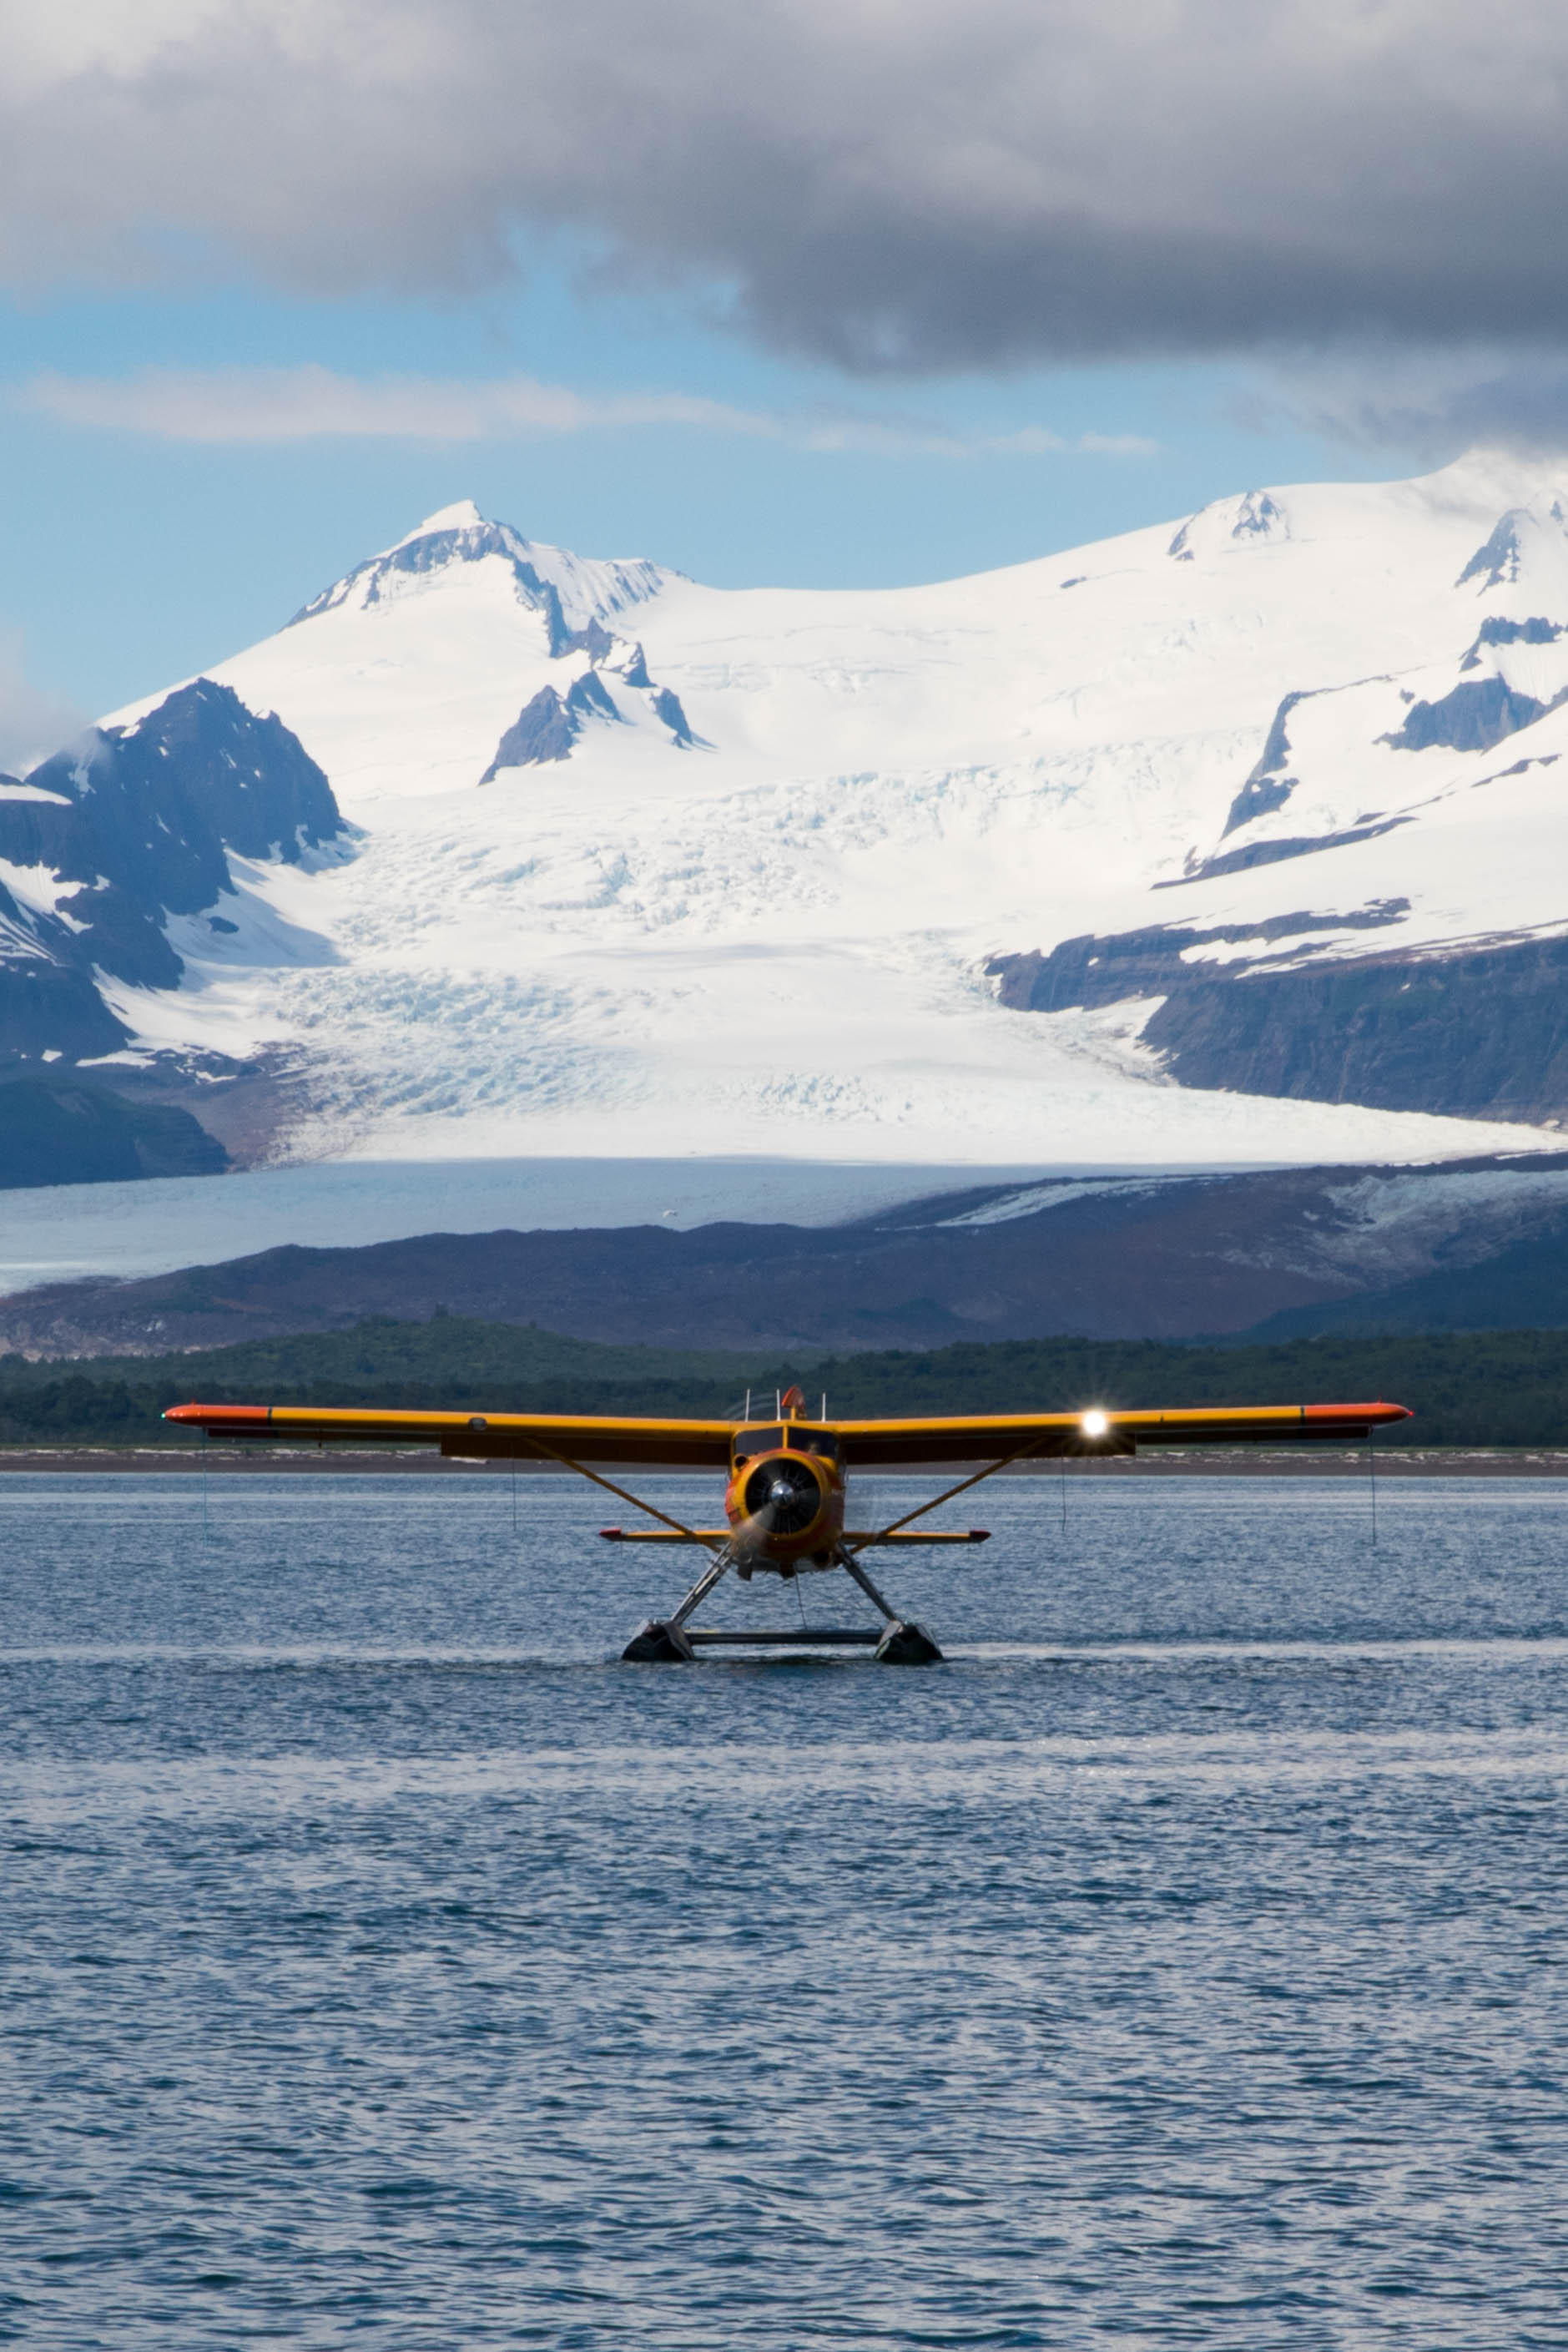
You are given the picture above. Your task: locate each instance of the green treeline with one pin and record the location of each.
(1482, 1388)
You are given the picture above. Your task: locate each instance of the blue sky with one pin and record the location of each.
(133, 556)
(804, 292)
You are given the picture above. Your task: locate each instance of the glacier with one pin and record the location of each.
(1311, 729)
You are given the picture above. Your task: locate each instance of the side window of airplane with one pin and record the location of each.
(819, 1440)
(749, 1442)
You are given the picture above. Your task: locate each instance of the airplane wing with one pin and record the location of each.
(897, 1444)
(473, 1436)
(866, 1444)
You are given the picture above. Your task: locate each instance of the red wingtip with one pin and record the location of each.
(1367, 1413)
(213, 1416)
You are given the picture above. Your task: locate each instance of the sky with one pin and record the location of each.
(877, 292)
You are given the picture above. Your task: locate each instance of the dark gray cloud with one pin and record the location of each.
(1431, 401)
(894, 184)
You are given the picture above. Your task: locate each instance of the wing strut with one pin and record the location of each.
(625, 1495)
(937, 1501)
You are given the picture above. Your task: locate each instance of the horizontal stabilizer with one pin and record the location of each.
(863, 1537)
(664, 1535)
(917, 1535)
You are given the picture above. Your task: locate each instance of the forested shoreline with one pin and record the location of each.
(1487, 1387)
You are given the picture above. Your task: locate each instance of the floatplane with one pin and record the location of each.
(787, 1481)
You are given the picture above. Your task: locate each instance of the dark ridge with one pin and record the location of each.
(543, 730)
(1526, 1285)
(1496, 563)
(141, 820)
(1168, 1257)
(588, 698)
(667, 708)
(1090, 971)
(466, 543)
(1258, 517)
(547, 726)
(595, 641)
(1274, 853)
(1266, 788)
(151, 809)
(1482, 1033)
(49, 1006)
(62, 1131)
(1495, 632)
(1472, 717)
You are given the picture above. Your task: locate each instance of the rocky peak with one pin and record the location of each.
(573, 593)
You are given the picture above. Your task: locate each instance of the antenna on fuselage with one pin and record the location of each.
(823, 1415)
(777, 1403)
(746, 1409)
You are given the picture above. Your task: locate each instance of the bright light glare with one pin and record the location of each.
(1096, 1424)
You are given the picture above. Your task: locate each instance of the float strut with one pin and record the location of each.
(903, 1644)
(662, 1640)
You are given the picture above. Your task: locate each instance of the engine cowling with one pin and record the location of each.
(785, 1492)
(786, 1509)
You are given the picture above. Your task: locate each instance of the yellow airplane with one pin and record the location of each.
(784, 1505)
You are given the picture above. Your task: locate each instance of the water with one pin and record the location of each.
(1181, 1964)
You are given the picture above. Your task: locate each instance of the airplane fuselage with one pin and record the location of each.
(785, 1500)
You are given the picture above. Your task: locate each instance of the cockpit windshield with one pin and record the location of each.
(751, 1442)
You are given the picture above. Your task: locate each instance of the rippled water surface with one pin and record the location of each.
(1182, 1963)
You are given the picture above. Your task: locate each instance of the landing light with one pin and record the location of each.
(1095, 1425)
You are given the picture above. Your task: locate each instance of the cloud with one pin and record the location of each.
(262, 405)
(33, 721)
(925, 186)
(311, 403)
(1433, 402)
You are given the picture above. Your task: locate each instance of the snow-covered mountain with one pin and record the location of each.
(1235, 840)
(137, 840)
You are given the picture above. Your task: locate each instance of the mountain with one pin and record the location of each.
(1236, 841)
(127, 866)
(1164, 1257)
(56, 1130)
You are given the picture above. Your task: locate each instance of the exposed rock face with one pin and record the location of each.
(433, 551)
(468, 537)
(542, 730)
(1535, 631)
(1249, 520)
(70, 1133)
(1478, 1035)
(46, 1004)
(1096, 972)
(1268, 787)
(139, 820)
(667, 707)
(1274, 852)
(551, 722)
(588, 698)
(1477, 714)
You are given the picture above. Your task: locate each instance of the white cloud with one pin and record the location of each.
(938, 183)
(311, 403)
(236, 405)
(33, 721)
